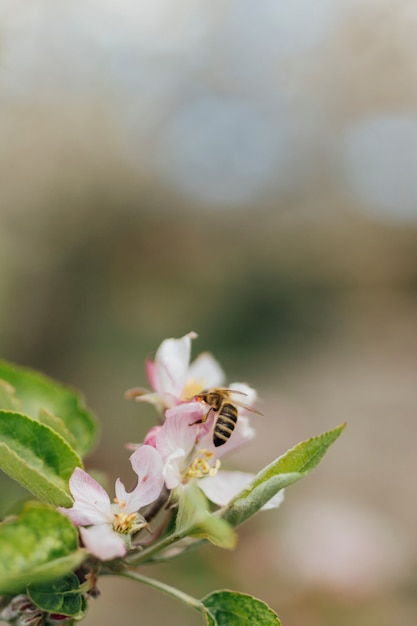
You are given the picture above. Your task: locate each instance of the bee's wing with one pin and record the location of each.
(240, 393)
(247, 407)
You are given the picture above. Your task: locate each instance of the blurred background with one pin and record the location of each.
(247, 170)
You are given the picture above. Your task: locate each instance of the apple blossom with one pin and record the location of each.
(110, 525)
(172, 377)
(188, 452)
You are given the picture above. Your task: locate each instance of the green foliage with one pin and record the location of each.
(36, 392)
(8, 398)
(44, 431)
(195, 520)
(62, 596)
(36, 457)
(39, 545)
(284, 471)
(229, 608)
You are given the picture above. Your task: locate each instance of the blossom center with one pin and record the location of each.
(127, 523)
(192, 388)
(201, 466)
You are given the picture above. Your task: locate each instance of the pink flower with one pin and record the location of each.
(172, 377)
(188, 452)
(110, 525)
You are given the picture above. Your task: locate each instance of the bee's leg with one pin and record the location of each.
(203, 419)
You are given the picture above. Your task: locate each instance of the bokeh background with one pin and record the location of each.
(247, 170)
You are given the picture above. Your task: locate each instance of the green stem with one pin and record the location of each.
(171, 591)
(147, 553)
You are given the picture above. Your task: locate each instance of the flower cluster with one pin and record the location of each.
(179, 450)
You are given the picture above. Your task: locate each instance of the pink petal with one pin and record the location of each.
(91, 502)
(150, 437)
(176, 431)
(171, 365)
(103, 542)
(150, 367)
(207, 371)
(242, 435)
(147, 463)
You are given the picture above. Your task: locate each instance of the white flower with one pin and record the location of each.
(172, 377)
(110, 525)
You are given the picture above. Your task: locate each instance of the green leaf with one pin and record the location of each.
(8, 399)
(36, 391)
(36, 457)
(195, 520)
(61, 596)
(58, 425)
(229, 608)
(287, 469)
(39, 545)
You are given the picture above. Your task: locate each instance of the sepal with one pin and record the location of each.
(195, 520)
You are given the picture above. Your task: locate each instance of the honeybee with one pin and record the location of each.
(222, 403)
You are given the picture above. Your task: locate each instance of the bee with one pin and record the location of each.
(222, 403)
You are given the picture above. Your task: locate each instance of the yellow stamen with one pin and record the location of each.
(123, 523)
(200, 466)
(192, 388)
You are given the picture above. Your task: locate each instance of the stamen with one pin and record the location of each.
(200, 466)
(192, 388)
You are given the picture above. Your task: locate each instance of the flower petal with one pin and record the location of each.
(171, 364)
(249, 398)
(221, 488)
(103, 542)
(206, 371)
(147, 463)
(91, 502)
(172, 468)
(178, 430)
(150, 437)
(242, 434)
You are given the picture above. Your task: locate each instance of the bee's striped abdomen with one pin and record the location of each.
(225, 424)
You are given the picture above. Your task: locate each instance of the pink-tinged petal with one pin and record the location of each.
(150, 371)
(178, 430)
(242, 435)
(150, 437)
(206, 371)
(147, 463)
(188, 412)
(91, 502)
(103, 542)
(171, 365)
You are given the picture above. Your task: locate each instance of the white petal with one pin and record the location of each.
(91, 502)
(103, 542)
(172, 468)
(221, 488)
(250, 396)
(171, 365)
(274, 502)
(206, 371)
